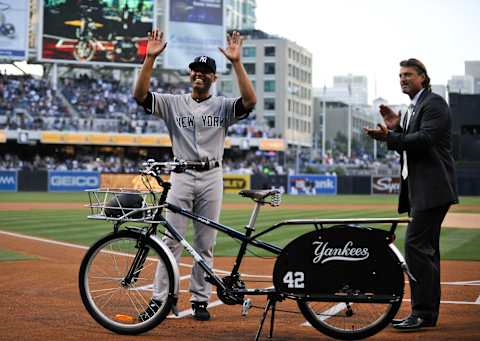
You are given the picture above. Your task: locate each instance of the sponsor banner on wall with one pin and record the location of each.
(233, 183)
(312, 184)
(8, 181)
(128, 181)
(194, 28)
(72, 181)
(385, 184)
(14, 16)
(108, 32)
(57, 137)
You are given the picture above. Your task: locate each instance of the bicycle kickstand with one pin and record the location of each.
(271, 304)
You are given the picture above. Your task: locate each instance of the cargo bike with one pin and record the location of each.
(346, 277)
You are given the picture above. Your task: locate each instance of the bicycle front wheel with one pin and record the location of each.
(117, 280)
(348, 321)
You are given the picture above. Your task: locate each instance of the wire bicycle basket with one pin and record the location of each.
(122, 204)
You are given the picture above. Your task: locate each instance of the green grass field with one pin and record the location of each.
(72, 226)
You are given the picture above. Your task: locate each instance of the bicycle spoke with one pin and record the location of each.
(108, 300)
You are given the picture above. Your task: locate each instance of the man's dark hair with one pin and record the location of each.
(421, 70)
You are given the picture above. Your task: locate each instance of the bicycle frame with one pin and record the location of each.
(246, 239)
(249, 238)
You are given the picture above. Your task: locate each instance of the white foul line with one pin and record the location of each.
(43, 240)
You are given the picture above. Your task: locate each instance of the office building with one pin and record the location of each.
(281, 72)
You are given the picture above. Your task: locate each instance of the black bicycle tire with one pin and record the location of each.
(145, 326)
(353, 335)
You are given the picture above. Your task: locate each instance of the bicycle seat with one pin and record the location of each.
(257, 194)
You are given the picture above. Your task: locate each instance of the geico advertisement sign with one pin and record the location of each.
(72, 181)
(8, 181)
(385, 185)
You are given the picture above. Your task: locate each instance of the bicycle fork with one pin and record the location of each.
(137, 264)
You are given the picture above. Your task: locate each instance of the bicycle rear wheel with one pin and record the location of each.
(348, 321)
(112, 295)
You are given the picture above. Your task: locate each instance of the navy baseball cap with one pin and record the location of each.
(204, 61)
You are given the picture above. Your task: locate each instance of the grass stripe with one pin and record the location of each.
(71, 225)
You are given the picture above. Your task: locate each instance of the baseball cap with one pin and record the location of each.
(204, 61)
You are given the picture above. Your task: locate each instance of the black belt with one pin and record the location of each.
(206, 165)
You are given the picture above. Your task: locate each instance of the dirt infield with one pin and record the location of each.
(39, 300)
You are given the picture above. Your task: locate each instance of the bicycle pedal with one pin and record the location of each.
(246, 305)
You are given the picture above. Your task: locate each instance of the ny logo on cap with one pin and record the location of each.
(203, 59)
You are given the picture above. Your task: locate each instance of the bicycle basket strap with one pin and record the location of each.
(339, 260)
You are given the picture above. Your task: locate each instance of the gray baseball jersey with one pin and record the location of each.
(197, 129)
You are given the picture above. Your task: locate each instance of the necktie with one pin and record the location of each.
(409, 115)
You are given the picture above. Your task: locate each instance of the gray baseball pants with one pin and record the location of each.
(200, 193)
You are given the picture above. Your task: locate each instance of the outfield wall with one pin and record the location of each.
(300, 184)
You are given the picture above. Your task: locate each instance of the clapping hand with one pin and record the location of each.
(390, 117)
(380, 133)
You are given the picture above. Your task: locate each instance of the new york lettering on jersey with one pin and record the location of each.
(185, 121)
(208, 120)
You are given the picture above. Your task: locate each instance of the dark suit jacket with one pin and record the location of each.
(431, 180)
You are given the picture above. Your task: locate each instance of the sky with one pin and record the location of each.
(371, 37)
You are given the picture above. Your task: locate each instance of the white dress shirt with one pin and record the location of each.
(410, 113)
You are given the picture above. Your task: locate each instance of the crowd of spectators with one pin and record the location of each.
(91, 104)
(106, 105)
(252, 162)
(25, 102)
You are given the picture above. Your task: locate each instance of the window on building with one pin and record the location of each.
(269, 51)
(269, 86)
(269, 68)
(229, 69)
(270, 122)
(269, 103)
(289, 123)
(249, 51)
(249, 68)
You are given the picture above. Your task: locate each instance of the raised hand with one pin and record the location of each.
(234, 47)
(390, 117)
(156, 43)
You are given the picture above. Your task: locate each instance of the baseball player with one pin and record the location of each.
(197, 125)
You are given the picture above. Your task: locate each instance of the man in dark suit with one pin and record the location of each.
(428, 185)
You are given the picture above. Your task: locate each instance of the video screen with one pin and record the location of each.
(197, 11)
(96, 31)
